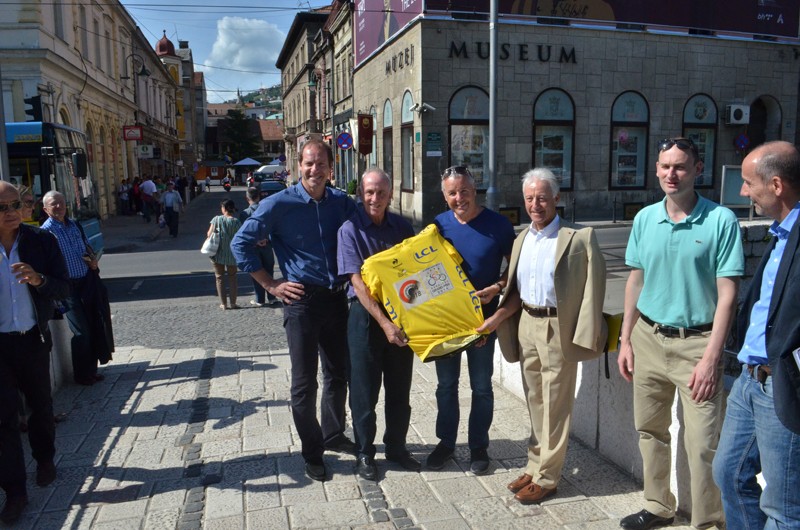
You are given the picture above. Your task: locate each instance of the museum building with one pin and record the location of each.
(588, 89)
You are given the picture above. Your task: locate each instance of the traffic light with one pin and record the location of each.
(35, 110)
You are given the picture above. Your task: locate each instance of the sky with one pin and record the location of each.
(235, 45)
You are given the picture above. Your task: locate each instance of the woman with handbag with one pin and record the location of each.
(225, 226)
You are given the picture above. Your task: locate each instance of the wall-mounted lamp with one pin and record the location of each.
(143, 71)
(312, 82)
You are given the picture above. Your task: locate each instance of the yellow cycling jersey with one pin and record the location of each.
(426, 293)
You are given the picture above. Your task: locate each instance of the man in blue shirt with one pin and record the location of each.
(302, 222)
(761, 433)
(378, 348)
(483, 238)
(680, 299)
(74, 247)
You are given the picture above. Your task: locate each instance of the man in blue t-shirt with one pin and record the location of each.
(680, 299)
(483, 238)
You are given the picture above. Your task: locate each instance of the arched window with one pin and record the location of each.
(373, 156)
(554, 134)
(700, 125)
(407, 143)
(387, 138)
(63, 117)
(630, 120)
(469, 132)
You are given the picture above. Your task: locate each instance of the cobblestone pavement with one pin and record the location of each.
(192, 429)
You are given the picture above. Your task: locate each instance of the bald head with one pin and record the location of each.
(779, 159)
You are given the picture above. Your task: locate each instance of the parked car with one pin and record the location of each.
(270, 187)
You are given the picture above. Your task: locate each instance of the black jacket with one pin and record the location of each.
(39, 249)
(783, 328)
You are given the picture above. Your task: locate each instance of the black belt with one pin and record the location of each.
(539, 311)
(34, 329)
(336, 289)
(759, 372)
(670, 331)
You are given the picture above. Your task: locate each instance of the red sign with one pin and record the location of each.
(365, 134)
(132, 133)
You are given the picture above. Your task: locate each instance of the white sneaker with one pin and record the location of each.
(257, 304)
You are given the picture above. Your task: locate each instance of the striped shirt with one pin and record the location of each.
(71, 243)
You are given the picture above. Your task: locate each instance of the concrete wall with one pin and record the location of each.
(602, 418)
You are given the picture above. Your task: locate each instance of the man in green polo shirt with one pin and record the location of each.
(680, 300)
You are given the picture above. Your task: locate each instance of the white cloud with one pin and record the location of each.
(243, 44)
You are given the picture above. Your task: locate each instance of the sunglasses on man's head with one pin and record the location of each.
(684, 144)
(12, 206)
(456, 170)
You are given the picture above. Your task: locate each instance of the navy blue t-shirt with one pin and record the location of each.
(483, 242)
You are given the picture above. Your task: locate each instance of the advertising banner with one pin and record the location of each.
(378, 20)
(365, 134)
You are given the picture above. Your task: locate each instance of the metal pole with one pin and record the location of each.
(491, 193)
(5, 170)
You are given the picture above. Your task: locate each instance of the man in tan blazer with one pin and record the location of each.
(550, 318)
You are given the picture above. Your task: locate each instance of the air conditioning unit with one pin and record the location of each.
(737, 114)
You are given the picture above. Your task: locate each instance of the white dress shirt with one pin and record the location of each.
(16, 310)
(537, 264)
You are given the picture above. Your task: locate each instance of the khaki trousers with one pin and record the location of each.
(549, 383)
(662, 365)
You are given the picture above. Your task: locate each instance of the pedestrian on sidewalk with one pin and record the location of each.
(483, 238)
(761, 433)
(302, 222)
(33, 275)
(379, 349)
(148, 193)
(172, 206)
(224, 262)
(265, 254)
(680, 299)
(549, 320)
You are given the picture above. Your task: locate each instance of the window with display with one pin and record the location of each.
(407, 143)
(630, 121)
(387, 138)
(700, 125)
(554, 134)
(469, 132)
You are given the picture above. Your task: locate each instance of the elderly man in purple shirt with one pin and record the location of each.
(378, 348)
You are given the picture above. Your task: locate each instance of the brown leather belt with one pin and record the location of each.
(539, 311)
(759, 372)
(671, 331)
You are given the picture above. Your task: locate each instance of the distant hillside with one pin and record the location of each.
(263, 97)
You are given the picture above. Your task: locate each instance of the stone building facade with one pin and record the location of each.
(592, 103)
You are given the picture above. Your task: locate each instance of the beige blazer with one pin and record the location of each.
(580, 284)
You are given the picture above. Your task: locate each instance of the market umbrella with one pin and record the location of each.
(248, 162)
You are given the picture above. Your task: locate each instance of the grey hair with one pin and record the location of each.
(541, 174)
(52, 194)
(375, 169)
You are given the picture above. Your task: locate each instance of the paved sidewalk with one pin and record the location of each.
(203, 438)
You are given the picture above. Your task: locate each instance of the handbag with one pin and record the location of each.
(211, 244)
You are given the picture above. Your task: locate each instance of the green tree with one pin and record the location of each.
(240, 136)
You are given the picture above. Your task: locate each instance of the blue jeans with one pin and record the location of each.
(753, 441)
(480, 362)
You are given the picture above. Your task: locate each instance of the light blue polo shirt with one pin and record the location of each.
(682, 261)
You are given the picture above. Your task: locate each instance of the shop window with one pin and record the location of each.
(407, 143)
(387, 137)
(554, 134)
(373, 156)
(630, 119)
(469, 132)
(700, 125)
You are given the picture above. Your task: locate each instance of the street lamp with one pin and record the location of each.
(143, 71)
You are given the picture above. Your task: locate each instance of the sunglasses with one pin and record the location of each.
(11, 206)
(684, 144)
(456, 170)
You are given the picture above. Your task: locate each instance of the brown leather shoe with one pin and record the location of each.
(533, 494)
(522, 481)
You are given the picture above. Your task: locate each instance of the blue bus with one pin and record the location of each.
(49, 156)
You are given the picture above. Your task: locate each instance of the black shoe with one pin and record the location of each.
(405, 460)
(479, 461)
(315, 469)
(341, 444)
(644, 520)
(13, 509)
(439, 456)
(366, 468)
(45, 473)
